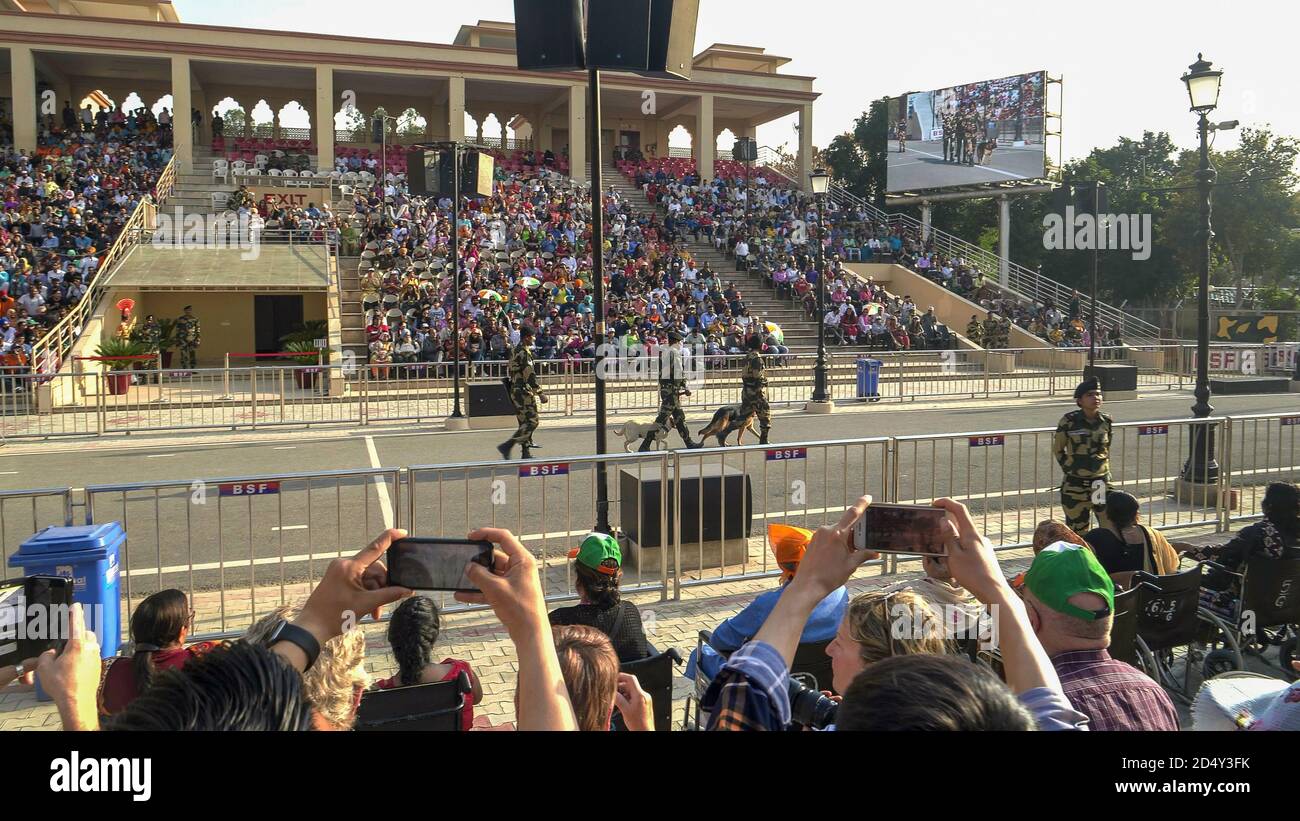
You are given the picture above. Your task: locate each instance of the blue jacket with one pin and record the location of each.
(741, 628)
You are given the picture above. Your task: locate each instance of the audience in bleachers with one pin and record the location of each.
(61, 209)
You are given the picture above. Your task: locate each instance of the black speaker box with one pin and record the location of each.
(618, 34)
(489, 399)
(1114, 377)
(710, 513)
(428, 173)
(377, 130)
(745, 150)
(548, 35)
(672, 36)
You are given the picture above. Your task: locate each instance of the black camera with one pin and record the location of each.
(809, 707)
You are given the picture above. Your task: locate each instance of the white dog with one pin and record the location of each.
(634, 432)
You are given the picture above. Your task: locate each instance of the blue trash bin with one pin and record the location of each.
(869, 379)
(88, 556)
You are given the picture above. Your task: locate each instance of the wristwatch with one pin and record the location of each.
(293, 634)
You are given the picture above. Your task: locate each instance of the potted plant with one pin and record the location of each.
(310, 331)
(305, 353)
(117, 355)
(166, 340)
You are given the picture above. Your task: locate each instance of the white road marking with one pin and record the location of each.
(289, 447)
(290, 527)
(159, 455)
(381, 485)
(8, 473)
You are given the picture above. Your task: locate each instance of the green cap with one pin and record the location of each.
(1063, 570)
(595, 549)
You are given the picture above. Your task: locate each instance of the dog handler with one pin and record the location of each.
(753, 396)
(672, 386)
(524, 393)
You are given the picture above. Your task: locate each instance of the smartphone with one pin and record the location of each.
(436, 564)
(911, 529)
(34, 615)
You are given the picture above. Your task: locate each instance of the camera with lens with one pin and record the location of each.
(809, 707)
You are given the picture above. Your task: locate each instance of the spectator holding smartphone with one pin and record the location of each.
(751, 692)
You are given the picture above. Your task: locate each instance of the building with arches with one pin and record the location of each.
(70, 50)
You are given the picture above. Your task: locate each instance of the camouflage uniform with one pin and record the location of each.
(753, 396)
(524, 392)
(187, 339)
(990, 332)
(672, 386)
(1082, 449)
(975, 333)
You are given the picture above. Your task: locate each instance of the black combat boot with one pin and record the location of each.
(646, 443)
(762, 440)
(505, 447)
(686, 437)
(527, 454)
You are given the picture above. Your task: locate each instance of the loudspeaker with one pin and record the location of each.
(548, 35)
(745, 150)
(489, 399)
(428, 173)
(377, 130)
(672, 36)
(421, 172)
(618, 34)
(1080, 196)
(476, 171)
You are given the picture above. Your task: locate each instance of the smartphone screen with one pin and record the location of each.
(436, 564)
(34, 616)
(902, 529)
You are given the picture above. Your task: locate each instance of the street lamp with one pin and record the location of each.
(1203, 81)
(821, 183)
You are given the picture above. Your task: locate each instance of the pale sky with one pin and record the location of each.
(1120, 60)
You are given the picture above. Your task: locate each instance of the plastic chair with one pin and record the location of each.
(437, 707)
(221, 170)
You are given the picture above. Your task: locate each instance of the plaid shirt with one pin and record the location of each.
(750, 693)
(1114, 695)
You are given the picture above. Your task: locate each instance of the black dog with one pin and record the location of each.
(727, 420)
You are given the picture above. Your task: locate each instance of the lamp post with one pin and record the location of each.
(1203, 81)
(598, 293)
(820, 185)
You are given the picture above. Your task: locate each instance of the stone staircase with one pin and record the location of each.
(351, 319)
(195, 187)
(761, 299)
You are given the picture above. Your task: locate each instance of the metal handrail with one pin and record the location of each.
(63, 336)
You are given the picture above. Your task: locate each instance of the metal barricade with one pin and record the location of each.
(252, 397)
(242, 546)
(43, 406)
(24, 512)
(551, 505)
(725, 497)
(1011, 479)
(1256, 450)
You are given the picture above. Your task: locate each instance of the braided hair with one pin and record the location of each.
(412, 632)
(155, 625)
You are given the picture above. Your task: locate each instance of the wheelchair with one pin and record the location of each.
(1169, 616)
(1267, 614)
(811, 667)
(655, 675)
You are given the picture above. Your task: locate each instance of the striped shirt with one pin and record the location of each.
(1114, 695)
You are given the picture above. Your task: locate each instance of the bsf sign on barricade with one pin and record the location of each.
(249, 488)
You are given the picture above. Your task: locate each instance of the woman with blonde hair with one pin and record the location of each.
(879, 625)
(595, 684)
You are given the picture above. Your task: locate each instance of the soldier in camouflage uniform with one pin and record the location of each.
(1004, 333)
(672, 387)
(974, 332)
(753, 396)
(990, 332)
(524, 393)
(1082, 449)
(187, 338)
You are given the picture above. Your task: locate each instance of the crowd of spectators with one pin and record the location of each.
(899, 657)
(63, 207)
(526, 260)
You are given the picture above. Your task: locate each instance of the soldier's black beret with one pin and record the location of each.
(1087, 386)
